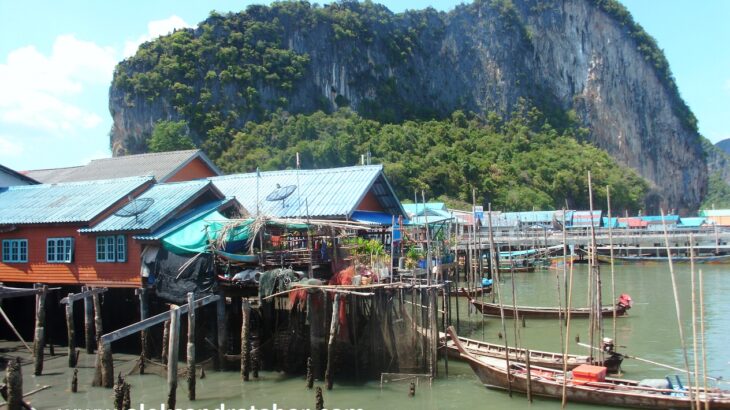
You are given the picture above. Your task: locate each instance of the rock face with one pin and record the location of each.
(570, 57)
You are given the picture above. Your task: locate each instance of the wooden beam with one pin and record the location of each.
(154, 320)
(83, 295)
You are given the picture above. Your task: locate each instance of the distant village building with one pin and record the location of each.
(9, 177)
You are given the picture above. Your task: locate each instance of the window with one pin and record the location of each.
(59, 250)
(111, 248)
(15, 250)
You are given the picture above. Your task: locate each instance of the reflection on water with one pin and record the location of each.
(650, 331)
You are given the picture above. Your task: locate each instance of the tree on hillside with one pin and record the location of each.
(170, 136)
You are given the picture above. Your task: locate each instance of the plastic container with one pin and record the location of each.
(586, 373)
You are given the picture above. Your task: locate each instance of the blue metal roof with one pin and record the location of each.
(695, 222)
(167, 198)
(529, 216)
(417, 209)
(180, 221)
(670, 219)
(714, 212)
(64, 202)
(333, 192)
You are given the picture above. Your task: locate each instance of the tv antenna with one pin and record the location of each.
(281, 193)
(135, 207)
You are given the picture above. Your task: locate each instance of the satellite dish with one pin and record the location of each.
(281, 193)
(135, 207)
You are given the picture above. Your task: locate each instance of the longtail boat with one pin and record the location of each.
(650, 394)
(493, 309)
(550, 360)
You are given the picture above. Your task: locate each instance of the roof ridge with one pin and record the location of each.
(294, 171)
(146, 154)
(93, 182)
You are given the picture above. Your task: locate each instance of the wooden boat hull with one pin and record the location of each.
(650, 260)
(469, 292)
(492, 309)
(549, 360)
(613, 392)
(505, 269)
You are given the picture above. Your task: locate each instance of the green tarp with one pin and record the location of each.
(195, 236)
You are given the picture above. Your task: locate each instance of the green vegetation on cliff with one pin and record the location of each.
(519, 164)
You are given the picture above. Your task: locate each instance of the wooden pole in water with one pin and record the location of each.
(40, 332)
(144, 313)
(334, 328)
(496, 287)
(702, 332)
(694, 317)
(70, 332)
(529, 376)
(676, 304)
(613, 275)
(172, 357)
(98, 325)
(567, 337)
(220, 310)
(245, 342)
(191, 347)
(88, 322)
(107, 365)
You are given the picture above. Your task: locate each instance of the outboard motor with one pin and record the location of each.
(624, 302)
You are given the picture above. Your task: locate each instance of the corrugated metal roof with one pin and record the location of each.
(333, 192)
(67, 202)
(417, 209)
(167, 198)
(657, 219)
(585, 218)
(530, 216)
(161, 165)
(186, 218)
(692, 222)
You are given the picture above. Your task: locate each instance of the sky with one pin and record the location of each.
(57, 59)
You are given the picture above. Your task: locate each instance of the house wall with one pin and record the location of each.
(720, 220)
(195, 169)
(84, 270)
(370, 203)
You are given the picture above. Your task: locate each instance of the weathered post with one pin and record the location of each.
(40, 332)
(412, 389)
(119, 393)
(319, 400)
(70, 332)
(334, 328)
(172, 357)
(220, 310)
(245, 345)
(127, 400)
(75, 381)
(191, 347)
(88, 322)
(310, 376)
(144, 313)
(529, 376)
(255, 356)
(165, 340)
(107, 365)
(15, 385)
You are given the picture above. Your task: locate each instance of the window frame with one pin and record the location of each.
(8, 257)
(113, 248)
(67, 247)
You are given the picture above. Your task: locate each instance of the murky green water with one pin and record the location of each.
(650, 332)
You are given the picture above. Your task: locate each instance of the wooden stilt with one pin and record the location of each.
(40, 332)
(127, 400)
(319, 400)
(221, 319)
(315, 319)
(191, 348)
(144, 313)
(119, 393)
(334, 328)
(107, 365)
(412, 390)
(255, 356)
(71, 333)
(172, 358)
(88, 323)
(165, 341)
(75, 381)
(310, 376)
(245, 345)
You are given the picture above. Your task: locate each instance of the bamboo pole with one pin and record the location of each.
(191, 347)
(497, 287)
(702, 331)
(694, 316)
(172, 358)
(70, 332)
(245, 342)
(567, 333)
(40, 332)
(334, 327)
(676, 304)
(613, 275)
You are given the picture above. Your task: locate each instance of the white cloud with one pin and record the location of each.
(155, 29)
(10, 148)
(38, 90)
